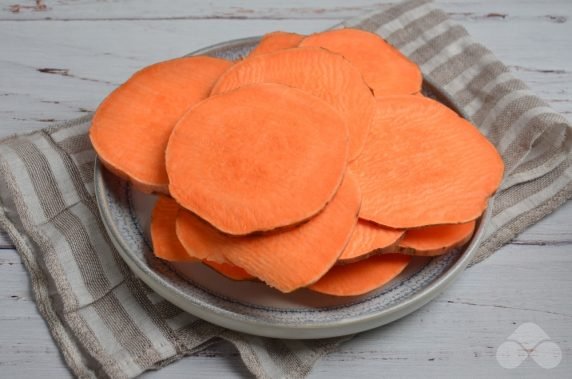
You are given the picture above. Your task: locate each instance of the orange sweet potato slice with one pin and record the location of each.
(369, 238)
(384, 68)
(229, 270)
(257, 158)
(437, 239)
(361, 277)
(424, 165)
(131, 127)
(322, 73)
(166, 245)
(286, 259)
(276, 41)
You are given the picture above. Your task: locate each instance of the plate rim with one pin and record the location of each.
(227, 319)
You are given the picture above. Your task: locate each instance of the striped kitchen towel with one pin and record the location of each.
(108, 324)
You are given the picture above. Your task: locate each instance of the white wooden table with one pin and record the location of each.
(58, 59)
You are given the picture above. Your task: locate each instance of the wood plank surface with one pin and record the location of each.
(58, 62)
(558, 11)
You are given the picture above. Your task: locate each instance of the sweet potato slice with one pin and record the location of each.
(424, 165)
(229, 270)
(166, 245)
(261, 157)
(318, 71)
(276, 41)
(436, 240)
(361, 277)
(287, 259)
(131, 127)
(369, 238)
(384, 68)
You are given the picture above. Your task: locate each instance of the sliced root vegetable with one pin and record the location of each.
(361, 277)
(229, 270)
(261, 157)
(276, 41)
(166, 245)
(187, 226)
(437, 239)
(424, 165)
(131, 127)
(318, 71)
(369, 238)
(286, 260)
(384, 68)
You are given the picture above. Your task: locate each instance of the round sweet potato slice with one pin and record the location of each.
(131, 127)
(166, 245)
(276, 41)
(436, 240)
(327, 75)
(384, 68)
(369, 238)
(286, 259)
(424, 165)
(258, 158)
(361, 277)
(229, 270)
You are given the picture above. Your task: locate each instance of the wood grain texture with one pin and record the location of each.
(26, 10)
(5, 242)
(59, 63)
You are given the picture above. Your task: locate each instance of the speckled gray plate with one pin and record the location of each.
(252, 307)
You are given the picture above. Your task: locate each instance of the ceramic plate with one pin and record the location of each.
(253, 307)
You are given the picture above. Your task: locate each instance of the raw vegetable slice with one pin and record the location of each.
(188, 226)
(131, 127)
(229, 270)
(166, 245)
(276, 41)
(424, 165)
(288, 259)
(361, 277)
(437, 239)
(318, 71)
(369, 238)
(384, 68)
(261, 157)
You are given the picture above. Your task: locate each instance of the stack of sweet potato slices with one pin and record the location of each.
(311, 163)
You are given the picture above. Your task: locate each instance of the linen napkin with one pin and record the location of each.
(109, 324)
